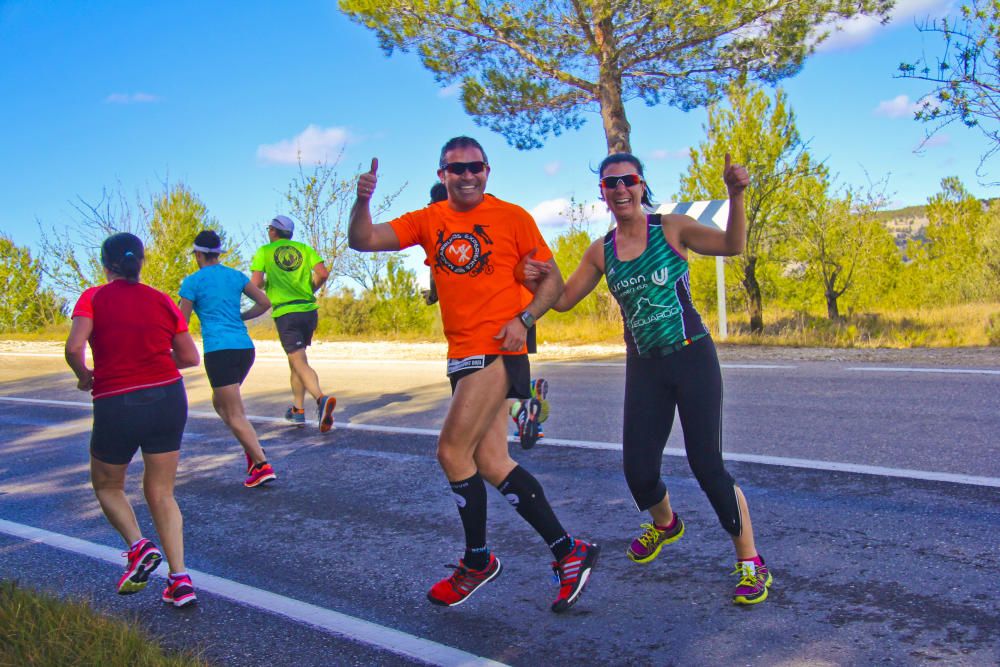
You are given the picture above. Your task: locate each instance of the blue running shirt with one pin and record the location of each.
(216, 291)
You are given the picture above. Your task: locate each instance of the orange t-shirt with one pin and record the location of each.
(473, 255)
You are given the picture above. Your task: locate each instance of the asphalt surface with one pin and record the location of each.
(869, 569)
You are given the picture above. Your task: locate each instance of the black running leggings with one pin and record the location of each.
(689, 380)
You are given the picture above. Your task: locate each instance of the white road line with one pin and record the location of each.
(889, 369)
(356, 629)
(810, 464)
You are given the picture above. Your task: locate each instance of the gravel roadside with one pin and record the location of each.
(977, 357)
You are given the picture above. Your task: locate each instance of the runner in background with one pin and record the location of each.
(139, 340)
(671, 364)
(214, 292)
(474, 240)
(290, 273)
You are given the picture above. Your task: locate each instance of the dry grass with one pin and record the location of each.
(946, 326)
(965, 325)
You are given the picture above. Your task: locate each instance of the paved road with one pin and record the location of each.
(868, 568)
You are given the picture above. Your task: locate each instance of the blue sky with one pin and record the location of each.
(220, 95)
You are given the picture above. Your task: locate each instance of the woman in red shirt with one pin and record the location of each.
(139, 339)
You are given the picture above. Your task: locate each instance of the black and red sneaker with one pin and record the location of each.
(463, 582)
(573, 572)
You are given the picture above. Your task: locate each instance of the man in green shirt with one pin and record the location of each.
(291, 272)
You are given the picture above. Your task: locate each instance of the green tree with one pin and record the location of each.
(534, 68)
(399, 305)
(761, 136)
(956, 262)
(841, 246)
(27, 305)
(320, 200)
(167, 223)
(568, 249)
(966, 76)
(177, 217)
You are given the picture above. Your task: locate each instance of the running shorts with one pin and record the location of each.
(226, 367)
(295, 330)
(151, 419)
(517, 367)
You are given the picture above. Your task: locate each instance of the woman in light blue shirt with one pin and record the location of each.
(214, 292)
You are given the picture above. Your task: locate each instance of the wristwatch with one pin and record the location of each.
(527, 319)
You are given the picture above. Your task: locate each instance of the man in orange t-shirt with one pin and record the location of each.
(473, 242)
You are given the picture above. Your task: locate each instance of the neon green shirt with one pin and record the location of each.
(287, 266)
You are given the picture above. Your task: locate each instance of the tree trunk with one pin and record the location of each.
(832, 311)
(617, 130)
(755, 303)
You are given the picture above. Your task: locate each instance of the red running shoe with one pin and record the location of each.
(179, 592)
(463, 582)
(573, 572)
(142, 560)
(260, 474)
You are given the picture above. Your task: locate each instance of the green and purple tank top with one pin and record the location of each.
(654, 293)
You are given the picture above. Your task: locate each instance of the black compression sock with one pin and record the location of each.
(470, 496)
(524, 492)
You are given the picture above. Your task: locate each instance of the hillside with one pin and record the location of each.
(905, 223)
(909, 222)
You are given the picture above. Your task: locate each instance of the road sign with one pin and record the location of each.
(715, 214)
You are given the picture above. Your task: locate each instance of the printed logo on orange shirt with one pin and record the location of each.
(462, 253)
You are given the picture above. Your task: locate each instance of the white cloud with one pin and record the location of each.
(555, 212)
(662, 154)
(552, 168)
(861, 29)
(131, 98)
(451, 91)
(313, 144)
(897, 107)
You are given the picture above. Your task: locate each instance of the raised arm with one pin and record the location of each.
(362, 234)
(707, 241)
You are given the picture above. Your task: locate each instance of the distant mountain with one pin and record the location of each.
(909, 222)
(905, 223)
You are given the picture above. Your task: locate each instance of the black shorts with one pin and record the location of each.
(295, 330)
(152, 419)
(517, 366)
(226, 367)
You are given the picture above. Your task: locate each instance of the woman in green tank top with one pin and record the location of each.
(671, 362)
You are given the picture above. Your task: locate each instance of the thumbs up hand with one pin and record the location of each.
(735, 176)
(367, 181)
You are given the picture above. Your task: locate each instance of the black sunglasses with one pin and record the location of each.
(459, 168)
(611, 182)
